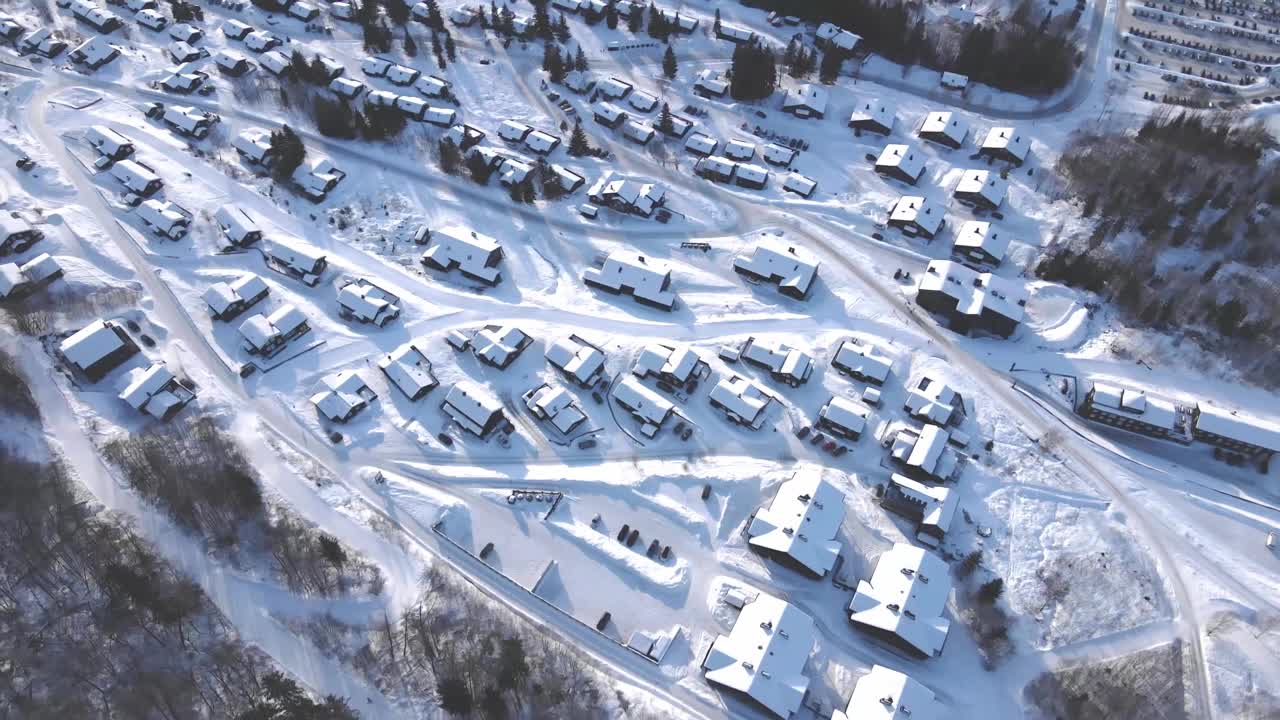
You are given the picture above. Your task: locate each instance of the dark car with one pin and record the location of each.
(803, 432)
(586, 443)
(817, 438)
(445, 439)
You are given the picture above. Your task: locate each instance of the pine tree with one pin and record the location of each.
(410, 46)
(478, 168)
(715, 27)
(450, 157)
(436, 49)
(449, 48)
(832, 59)
(435, 20)
(611, 15)
(580, 61)
(635, 21)
(397, 11)
(289, 152)
(541, 20)
(561, 30)
(991, 591)
(553, 63)
(579, 144)
(669, 65)
(754, 72)
(666, 123)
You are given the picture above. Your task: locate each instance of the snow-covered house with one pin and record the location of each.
(367, 303)
(317, 180)
(381, 98)
(685, 24)
(16, 234)
(98, 348)
(540, 142)
(863, 361)
(554, 405)
(440, 116)
(765, 655)
(184, 83)
(499, 345)
(979, 241)
(735, 34)
(165, 219)
(232, 63)
(971, 300)
(474, 408)
(513, 131)
(464, 16)
(954, 81)
(876, 116)
(181, 52)
(94, 53)
(577, 359)
(785, 364)
(409, 370)
(579, 81)
(645, 405)
(569, 180)
(710, 83)
(254, 145)
(185, 32)
(716, 168)
(945, 128)
(42, 42)
(415, 108)
(934, 401)
(800, 526)
(739, 150)
(743, 401)
(670, 364)
(189, 121)
(778, 155)
(276, 63)
(234, 29)
(751, 176)
(432, 86)
(109, 143)
(401, 74)
(924, 453)
(474, 255)
(901, 162)
(806, 101)
(96, 17)
(628, 195)
(916, 215)
(267, 335)
(701, 145)
(237, 226)
(905, 600)
(1007, 144)
(136, 177)
(20, 280)
(342, 396)
(152, 19)
(608, 114)
(261, 41)
(981, 189)
(933, 507)
(614, 88)
(306, 12)
(830, 35)
(885, 694)
(303, 262)
(638, 131)
(227, 300)
(346, 87)
(156, 392)
(844, 418)
(801, 185)
(642, 101)
(1235, 431)
(775, 261)
(1133, 409)
(645, 279)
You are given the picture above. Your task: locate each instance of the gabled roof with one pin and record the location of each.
(938, 504)
(765, 654)
(876, 112)
(904, 158)
(802, 522)
(947, 124)
(499, 345)
(472, 406)
(556, 406)
(907, 596)
(795, 268)
(864, 359)
(1007, 139)
(343, 394)
(923, 212)
(985, 184)
(648, 279)
(466, 247)
(408, 369)
(677, 363)
(642, 402)
(975, 292)
(885, 694)
(809, 96)
(845, 413)
(743, 397)
(981, 235)
(91, 343)
(580, 361)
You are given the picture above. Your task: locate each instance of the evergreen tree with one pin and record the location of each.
(552, 63)
(449, 48)
(436, 49)
(410, 47)
(658, 29)
(450, 157)
(832, 60)
(611, 15)
(991, 591)
(754, 72)
(666, 123)
(541, 20)
(435, 20)
(715, 27)
(478, 168)
(579, 144)
(635, 21)
(397, 10)
(669, 65)
(561, 30)
(334, 118)
(580, 61)
(289, 152)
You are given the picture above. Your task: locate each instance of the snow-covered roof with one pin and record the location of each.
(926, 451)
(301, 258)
(874, 112)
(736, 33)
(186, 118)
(472, 407)
(431, 86)
(412, 106)
(342, 396)
(712, 82)
(801, 184)
(381, 98)
(802, 522)
(638, 130)
(639, 195)
(260, 40)
(499, 345)
(133, 175)
(366, 302)
(10, 226)
(862, 359)
(976, 235)
(646, 278)
(907, 596)
(254, 143)
(932, 400)
(466, 248)
(147, 386)
(781, 359)
(555, 405)
(645, 404)
(885, 694)
(579, 81)
(922, 212)
(541, 142)
(792, 267)
(185, 32)
(513, 130)
(408, 369)
(937, 503)
(229, 59)
(739, 150)
(808, 98)
(578, 360)
(904, 158)
(263, 331)
(777, 154)
(441, 116)
(983, 183)
(107, 141)
(607, 110)
(401, 74)
(755, 174)
(92, 343)
(944, 125)
(39, 268)
(717, 165)
(743, 398)
(838, 36)
(223, 295)
(846, 414)
(642, 101)
(96, 51)
(955, 80)
(614, 88)
(765, 654)
(164, 216)
(1007, 139)
(701, 144)
(976, 291)
(675, 363)
(236, 223)
(1237, 426)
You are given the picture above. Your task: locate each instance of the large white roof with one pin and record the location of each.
(907, 596)
(645, 404)
(581, 361)
(649, 279)
(1238, 426)
(765, 654)
(903, 157)
(976, 291)
(885, 694)
(409, 369)
(850, 415)
(984, 183)
(1007, 139)
(864, 359)
(802, 521)
(945, 123)
(924, 212)
(743, 397)
(466, 247)
(677, 363)
(794, 267)
(91, 343)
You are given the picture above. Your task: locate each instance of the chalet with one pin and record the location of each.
(923, 454)
(613, 88)
(94, 53)
(261, 41)
(415, 108)
(347, 88)
(684, 24)
(441, 116)
(302, 262)
(317, 180)
(95, 17)
(237, 226)
(638, 131)
(954, 81)
(184, 83)
(971, 300)
(642, 101)
(806, 101)
(185, 32)
(165, 219)
(541, 143)
(677, 366)
(381, 98)
(944, 128)
(735, 34)
(645, 405)
(156, 392)
(569, 180)
(579, 81)
(775, 261)
(905, 600)
(764, 657)
(432, 86)
(981, 189)
(464, 16)
(232, 63)
(409, 370)
(843, 418)
(801, 185)
(227, 300)
(739, 150)
(977, 241)
(578, 360)
(741, 400)
(1133, 409)
(276, 63)
(305, 12)
(513, 172)
(181, 52)
(342, 396)
(555, 406)
(367, 303)
(863, 361)
(499, 345)
(934, 401)
(885, 694)
(1235, 431)
(136, 178)
(1005, 144)
(42, 42)
(401, 75)
(701, 145)
(778, 155)
(800, 526)
(645, 279)
(267, 334)
(933, 508)
(137, 5)
(98, 348)
(188, 121)
(344, 10)
(901, 162)
(16, 234)
(917, 216)
(474, 409)
(254, 145)
(109, 143)
(628, 195)
(875, 116)
(710, 83)
(608, 114)
(834, 36)
(20, 280)
(751, 176)
(715, 168)
(234, 29)
(375, 66)
(10, 29)
(474, 255)
(513, 131)
(679, 127)
(785, 364)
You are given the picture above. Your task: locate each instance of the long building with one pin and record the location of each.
(1133, 409)
(1235, 431)
(905, 600)
(800, 526)
(765, 655)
